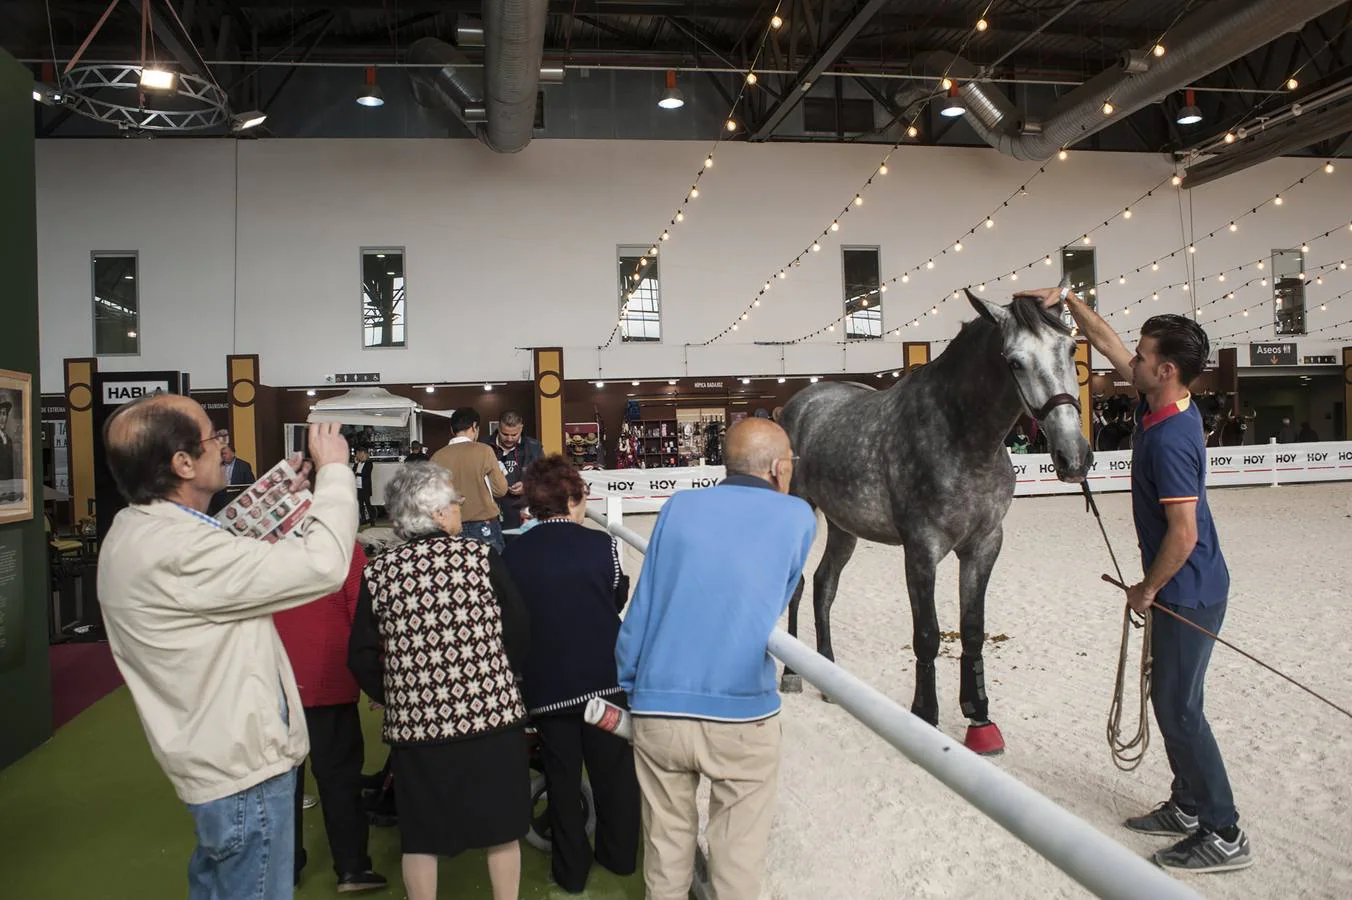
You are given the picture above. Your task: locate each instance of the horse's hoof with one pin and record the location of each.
(791, 684)
(985, 740)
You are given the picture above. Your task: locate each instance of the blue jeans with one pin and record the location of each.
(1181, 657)
(487, 530)
(246, 844)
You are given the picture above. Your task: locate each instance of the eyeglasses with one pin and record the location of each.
(792, 459)
(219, 438)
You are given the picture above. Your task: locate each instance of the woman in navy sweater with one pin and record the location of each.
(570, 580)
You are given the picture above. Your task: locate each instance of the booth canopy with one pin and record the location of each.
(370, 406)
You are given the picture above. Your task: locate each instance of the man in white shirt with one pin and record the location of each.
(188, 609)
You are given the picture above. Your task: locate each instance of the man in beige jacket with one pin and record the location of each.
(188, 609)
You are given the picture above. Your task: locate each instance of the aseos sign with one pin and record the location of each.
(1272, 354)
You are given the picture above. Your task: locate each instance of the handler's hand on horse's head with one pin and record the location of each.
(1049, 296)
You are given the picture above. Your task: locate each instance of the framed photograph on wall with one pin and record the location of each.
(16, 446)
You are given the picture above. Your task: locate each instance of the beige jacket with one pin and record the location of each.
(476, 474)
(188, 609)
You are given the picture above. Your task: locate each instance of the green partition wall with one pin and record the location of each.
(25, 681)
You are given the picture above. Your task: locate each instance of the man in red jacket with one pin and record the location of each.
(316, 637)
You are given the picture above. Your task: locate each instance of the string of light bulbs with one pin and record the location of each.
(912, 130)
(1157, 49)
(730, 126)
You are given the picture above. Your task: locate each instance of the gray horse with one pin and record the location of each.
(923, 464)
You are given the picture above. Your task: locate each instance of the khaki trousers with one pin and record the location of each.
(741, 759)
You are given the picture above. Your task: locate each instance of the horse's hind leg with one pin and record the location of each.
(840, 546)
(792, 682)
(975, 563)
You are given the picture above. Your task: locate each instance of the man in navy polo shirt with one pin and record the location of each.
(1184, 571)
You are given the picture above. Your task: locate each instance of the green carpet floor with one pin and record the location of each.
(90, 816)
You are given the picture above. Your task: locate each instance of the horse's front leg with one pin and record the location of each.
(920, 565)
(974, 574)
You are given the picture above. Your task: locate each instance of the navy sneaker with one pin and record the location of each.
(1207, 851)
(1166, 819)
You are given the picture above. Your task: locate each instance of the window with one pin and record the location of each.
(1288, 291)
(384, 313)
(1078, 264)
(862, 267)
(639, 284)
(117, 313)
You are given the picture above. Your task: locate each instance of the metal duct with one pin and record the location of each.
(1325, 123)
(514, 43)
(1214, 36)
(496, 103)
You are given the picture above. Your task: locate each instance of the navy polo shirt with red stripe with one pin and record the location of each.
(1168, 465)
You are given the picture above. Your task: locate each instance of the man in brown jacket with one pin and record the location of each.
(478, 477)
(188, 607)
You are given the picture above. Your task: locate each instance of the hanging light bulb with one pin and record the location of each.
(666, 235)
(1234, 227)
(1192, 248)
(835, 225)
(767, 286)
(1263, 282)
(982, 24)
(1304, 248)
(1221, 277)
(912, 131)
(680, 216)
(1261, 264)
(744, 315)
(751, 78)
(1185, 286)
(1328, 168)
(1277, 200)
(1158, 50)
(1126, 310)
(957, 247)
(1062, 155)
(930, 264)
(1121, 279)
(783, 274)
(1342, 265)
(1126, 213)
(756, 302)
(1245, 313)
(1323, 306)
(694, 192)
(990, 223)
(934, 310)
(1013, 276)
(731, 125)
(946, 84)
(816, 246)
(652, 251)
(981, 287)
(709, 161)
(905, 279)
(1292, 83)
(1108, 108)
(882, 289)
(1047, 260)
(1085, 239)
(1155, 295)
(858, 200)
(776, 21)
(1154, 267)
(1319, 279)
(1229, 137)
(830, 327)
(1176, 180)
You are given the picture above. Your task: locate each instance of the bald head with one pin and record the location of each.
(753, 446)
(156, 447)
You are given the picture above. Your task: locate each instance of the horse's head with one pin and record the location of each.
(1037, 346)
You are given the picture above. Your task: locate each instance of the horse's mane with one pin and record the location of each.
(1030, 314)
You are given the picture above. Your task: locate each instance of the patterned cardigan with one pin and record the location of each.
(438, 633)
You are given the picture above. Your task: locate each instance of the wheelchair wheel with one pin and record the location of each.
(538, 836)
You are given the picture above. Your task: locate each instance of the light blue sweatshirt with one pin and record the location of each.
(721, 566)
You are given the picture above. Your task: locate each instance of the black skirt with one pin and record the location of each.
(464, 795)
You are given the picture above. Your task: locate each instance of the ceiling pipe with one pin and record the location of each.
(1296, 134)
(1210, 38)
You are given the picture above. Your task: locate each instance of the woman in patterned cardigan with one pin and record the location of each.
(438, 634)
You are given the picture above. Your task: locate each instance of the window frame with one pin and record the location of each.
(1090, 295)
(94, 256)
(620, 285)
(845, 300)
(361, 294)
(1302, 283)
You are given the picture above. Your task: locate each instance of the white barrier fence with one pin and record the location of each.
(645, 490)
(1097, 862)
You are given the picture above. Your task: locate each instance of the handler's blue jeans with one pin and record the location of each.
(1181, 657)
(246, 844)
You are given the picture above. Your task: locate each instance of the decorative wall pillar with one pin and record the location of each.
(80, 432)
(1347, 394)
(549, 397)
(241, 379)
(1084, 356)
(915, 354)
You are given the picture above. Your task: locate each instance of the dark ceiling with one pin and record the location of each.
(1047, 46)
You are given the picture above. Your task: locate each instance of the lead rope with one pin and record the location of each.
(1127, 755)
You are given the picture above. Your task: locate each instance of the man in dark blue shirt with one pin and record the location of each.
(1184, 571)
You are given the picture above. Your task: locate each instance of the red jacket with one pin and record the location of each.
(315, 636)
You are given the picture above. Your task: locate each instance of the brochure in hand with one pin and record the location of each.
(267, 510)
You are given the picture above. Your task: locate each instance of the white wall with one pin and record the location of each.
(517, 251)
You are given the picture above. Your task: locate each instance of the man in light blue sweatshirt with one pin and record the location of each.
(721, 566)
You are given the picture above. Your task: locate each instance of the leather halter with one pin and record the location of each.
(1052, 403)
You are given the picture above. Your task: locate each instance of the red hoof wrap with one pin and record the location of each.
(985, 739)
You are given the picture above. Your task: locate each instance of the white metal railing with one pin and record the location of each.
(1097, 862)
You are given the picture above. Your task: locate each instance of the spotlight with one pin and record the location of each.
(245, 121)
(1190, 114)
(672, 98)
(488, 387)
(371, 95)
(430, 389)
(953, 105)
(310, 392)
(746, 381)
(633, 384)
(600, 384)
(155, 79)
(671, 381)
(781, 379)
